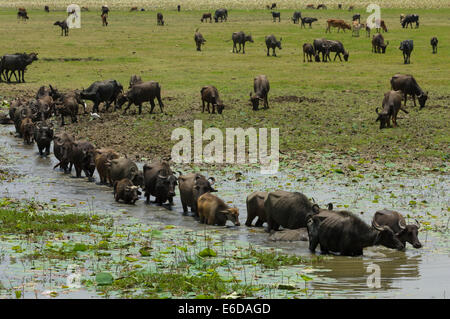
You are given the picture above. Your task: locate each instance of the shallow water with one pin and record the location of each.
(422, 273)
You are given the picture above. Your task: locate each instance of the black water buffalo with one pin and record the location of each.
(345, 233)
(22, 14)
(140, 93)
(276, 15)
(159, 19)
(325, 46)
(159, 182)
(406, 47)
(408, 85)
(199, 40)
(288, 209)
(395, 220)
(434, 43)
(255, 208)
(102, 91)
(308, 50)
(392, 104)
(210, 95)
(410, 19)
(125, 190)
(11, 63)
(378, 45)
(46, 9)
(64, 27)
(82, 156)
(191, 187)
(43, 135)
(272, 43)
(68, 106)
(296, 17)
(221, 14)
(240, 37)
(261, 88)
(120, 168)
(62, 145)
(307, 20)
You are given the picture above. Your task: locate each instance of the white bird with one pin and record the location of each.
(95, 115)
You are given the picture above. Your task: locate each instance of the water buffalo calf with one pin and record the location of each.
(210, 95)
(27, 130)
(64, 27)
(378, 45)
(191, 187)
(308, 50)
(213, 211)
(102, 156)
(392, 104)
(206, 16)
(125, 190)
(199, 40)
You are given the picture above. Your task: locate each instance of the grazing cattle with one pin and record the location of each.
(125, 190)
(160, 182)
(402, 17)
(261, 88)
(134, 9)
(213, 211)
(120, 168)
(322, 46)
(296, 17)
(408, 85)
(102, 91)
(321, 6)
(43, 135)
(308, 50)
(159, 19)
(356, 17)
(199, 40)
(409, 20)
(276, 15)
(206, 16)
(326, 46)
(345, 233)
(142, 92)
(406, 47)
(82, 157)
(335, 23)
(102, 156)
(307, 20)
(64, 27)
(310, 6)
(104, 20)
(27, 130)
(221, 14)
(22, 14)
(134, 79)
(288, 209)
(62, 145)
(272, 43)
(210, 95)
(46, 9)
(191, 187)
(392, 104)
(378, 45)
(240, 37)
(395, 220)
(255, 208)
(11, 63)
(434, 43)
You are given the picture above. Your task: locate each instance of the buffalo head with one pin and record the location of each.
(422, 99)
(386, 237)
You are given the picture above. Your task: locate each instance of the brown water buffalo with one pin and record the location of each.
(378, 45)
(240, 38)
(191, 187)
(395, 220)
(261, 88)
(408, 85)
(140, 93)
(213, 211)
(288, 209)
(102, 156)
(308, 50)
(125, 190)
(392, 104)
(199, 40)
(82, 157)
(206, 16)
(210, 95)
(345, 233)
(255, 208)
(62, 145)
(159, 182)
(67, 107)
(120, 168)
(43, 135)
(272, 43)
(27, 130)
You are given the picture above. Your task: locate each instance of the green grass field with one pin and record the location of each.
(317, 106)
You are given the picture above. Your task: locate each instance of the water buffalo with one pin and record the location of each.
(43, 135)
(102, 91)
(159, 182)
(261, 88)
(82, 157)
(336, 23)
(326, 46)
(62, 145)
(46, 9)
(206, 16)
(240, 37)
(199, 40)
(68, 107)
(11, 63)
(210, 95)
(102, 156)
(392, 104)
(408, 85)
(104, 17)
(125, 190)
(191, 187)
(27, 130)
(22, 14)
(276, 15)
(221, 14)
(378, 43)
(345, 233)
(307, 20)
(255, 208)
(64, 27)
(272, 43)
(434, 43)
(308, 50)
(159, 19)
(288, 209)
(123, 167)
(310, 6)
(395, 220)
(134, 79)
(296, 17)
(410, 19)
(406, 47)
(140, 93)
(322, 6)
(213, 211)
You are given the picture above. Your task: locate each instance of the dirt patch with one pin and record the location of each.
(295, 99)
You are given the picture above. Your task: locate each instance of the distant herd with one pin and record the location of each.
(335, 231)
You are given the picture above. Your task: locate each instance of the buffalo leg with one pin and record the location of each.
(414, 99)
(243, 48)
(259, 222)
(161, 105)
(140, 108)
(268, 51)
(203, 106)
(273, 52)
(213, 108)
(266, 102)
(126, 108)
(185, 209)
(152, 103)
